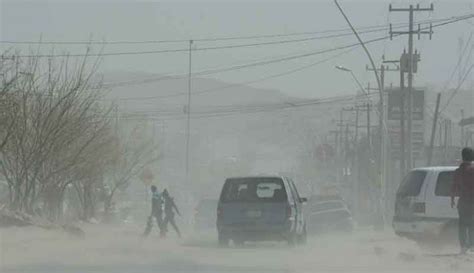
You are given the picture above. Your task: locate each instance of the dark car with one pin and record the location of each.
(260, 209)
(205, 215)
(328, 215)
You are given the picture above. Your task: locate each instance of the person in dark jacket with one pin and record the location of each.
(170, 208)
(463, 186)
(156, 212)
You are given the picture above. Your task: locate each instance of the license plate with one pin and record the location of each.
(254, 213)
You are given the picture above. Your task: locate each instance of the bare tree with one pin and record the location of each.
(134, 151)
(58, 119)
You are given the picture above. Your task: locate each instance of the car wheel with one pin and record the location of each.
(223, 240)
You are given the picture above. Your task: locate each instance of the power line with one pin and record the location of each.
(457, 88)
(252, 109)
(458, 64)
(128, 53)
(209, 90)
(372, 29)
(254, 64)
(209, 39)
(106, 54)
(259, 63)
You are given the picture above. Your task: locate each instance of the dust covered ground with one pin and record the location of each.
(122, 249)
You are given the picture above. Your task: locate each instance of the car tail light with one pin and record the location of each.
(219, 212)
(289, 212)
(419, 208)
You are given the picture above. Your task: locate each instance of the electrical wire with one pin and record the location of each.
(128, 53)
(250, 109)
(457, 88)
(107, 54)
(243, 83)
(458, 64)
(259, 63)
(211, 39)
(238, 67)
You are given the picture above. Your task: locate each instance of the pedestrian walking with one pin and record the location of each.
(463, 187)
(156, 212)
(170, 208)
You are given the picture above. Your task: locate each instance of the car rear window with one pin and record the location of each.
(254, 190)
(411, 185)
(443, 185)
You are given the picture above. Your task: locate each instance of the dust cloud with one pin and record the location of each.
(122, 249)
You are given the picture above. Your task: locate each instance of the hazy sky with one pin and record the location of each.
(147, 20)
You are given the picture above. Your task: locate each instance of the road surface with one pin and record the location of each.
(121, 249)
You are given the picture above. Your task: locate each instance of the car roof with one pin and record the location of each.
(436, 168)
(256, 176)
(207, 200)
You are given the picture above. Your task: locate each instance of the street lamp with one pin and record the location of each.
(345, 69)
(382, 123)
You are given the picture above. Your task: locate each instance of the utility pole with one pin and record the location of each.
(356, 133)
(446, 129)
(341, 130)
(463, 143)
(411, 68)
(383, 128)
(402, 116)
(382, 163)
(346, 152)
(188, 110)
(403, 154)
(336, 140)
(116, 121)
(433, 130)
(369, 138)
(382, 70)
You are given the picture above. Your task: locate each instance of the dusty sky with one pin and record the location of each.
(147, 20)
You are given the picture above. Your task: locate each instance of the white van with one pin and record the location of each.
(423, 204)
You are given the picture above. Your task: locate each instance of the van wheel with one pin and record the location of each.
(223, 240)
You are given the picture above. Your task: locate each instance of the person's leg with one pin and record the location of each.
(470, 227)
(165, 226)
(149, 225)
(463, 227)
(173, 223)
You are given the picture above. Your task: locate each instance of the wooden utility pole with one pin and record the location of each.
(402, 115)
(463, 143)
(368, 127)
(403, 154)
(446, 130)
(433, 131)
(188, 113)
(341, 131)
(356, 132)
(411, 62)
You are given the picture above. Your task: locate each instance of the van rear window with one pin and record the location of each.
(411, 185)
(443, 185)
(254, 189)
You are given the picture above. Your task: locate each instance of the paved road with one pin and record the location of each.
(112, 249)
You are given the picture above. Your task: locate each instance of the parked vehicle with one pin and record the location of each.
(205, 215)
(328, 215)
(260, 208)
(422, 206)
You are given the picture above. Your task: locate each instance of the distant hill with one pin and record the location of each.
(205, 92)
